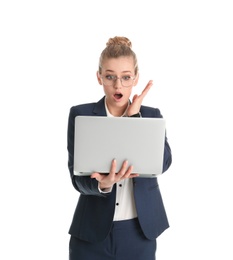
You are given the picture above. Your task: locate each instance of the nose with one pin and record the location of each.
(117, 83)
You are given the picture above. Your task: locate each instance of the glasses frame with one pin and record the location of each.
(120, 78)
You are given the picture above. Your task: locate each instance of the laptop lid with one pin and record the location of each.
(98, 140)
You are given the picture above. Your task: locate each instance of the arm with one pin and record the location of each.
(167, 158)
(85, 185)
(96, 184)
(155, 112)
(136, 110)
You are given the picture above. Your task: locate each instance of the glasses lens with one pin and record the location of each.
(126, 81)
(109, 80)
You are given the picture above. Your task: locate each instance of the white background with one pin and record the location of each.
(49, 53)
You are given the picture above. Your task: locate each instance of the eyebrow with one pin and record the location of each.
(126, 71)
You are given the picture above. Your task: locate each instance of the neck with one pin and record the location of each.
(117, 111)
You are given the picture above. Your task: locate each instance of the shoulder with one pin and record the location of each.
(147, 111)
(79, 110)
(89, 109)
(83, 109)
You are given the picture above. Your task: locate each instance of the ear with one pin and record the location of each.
(99, 77)
(136, 80)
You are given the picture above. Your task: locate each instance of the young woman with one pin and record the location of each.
(118, 216)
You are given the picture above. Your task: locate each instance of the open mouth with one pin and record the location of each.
(118, 96)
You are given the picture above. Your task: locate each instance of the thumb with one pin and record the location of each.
(135, 97)
(95, 175)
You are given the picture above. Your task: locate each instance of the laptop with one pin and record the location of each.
(98, 140)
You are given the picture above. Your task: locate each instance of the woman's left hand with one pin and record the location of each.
(135, 106)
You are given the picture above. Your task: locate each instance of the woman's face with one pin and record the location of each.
(117, 95)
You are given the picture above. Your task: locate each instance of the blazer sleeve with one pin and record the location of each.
(84, 184)
(167, 157)
(155, 112)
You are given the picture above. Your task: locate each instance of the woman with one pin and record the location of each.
(118, 216)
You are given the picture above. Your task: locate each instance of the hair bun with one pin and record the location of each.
(117, 40)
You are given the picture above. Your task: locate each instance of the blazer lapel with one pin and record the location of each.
(99, 108)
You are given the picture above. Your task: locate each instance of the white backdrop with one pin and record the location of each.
(49, 53)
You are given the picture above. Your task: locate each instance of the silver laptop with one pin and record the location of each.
(98, 140)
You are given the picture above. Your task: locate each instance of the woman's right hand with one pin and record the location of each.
(106, 181)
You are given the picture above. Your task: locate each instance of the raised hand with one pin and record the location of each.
(135, 106)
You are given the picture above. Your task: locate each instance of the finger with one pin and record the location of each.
(113, 168)
(147, 88)
(133, 175)
(96, 176)
(149, 84)
(135, 97)
(128, 172)
(123, 169)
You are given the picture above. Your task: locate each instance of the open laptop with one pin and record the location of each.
(98, 140)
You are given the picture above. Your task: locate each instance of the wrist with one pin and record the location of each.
(136, 115)
(104, 189)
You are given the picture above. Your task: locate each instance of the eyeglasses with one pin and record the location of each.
(110, 80)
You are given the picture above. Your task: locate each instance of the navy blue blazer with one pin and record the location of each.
(94, 213)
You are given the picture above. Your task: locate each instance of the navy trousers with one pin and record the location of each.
(125, 242)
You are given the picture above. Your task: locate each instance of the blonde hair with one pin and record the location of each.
(118, 47)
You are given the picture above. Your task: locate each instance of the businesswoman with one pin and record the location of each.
(118, 216)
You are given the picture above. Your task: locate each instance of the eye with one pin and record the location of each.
(110, 77)
(126, 78)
